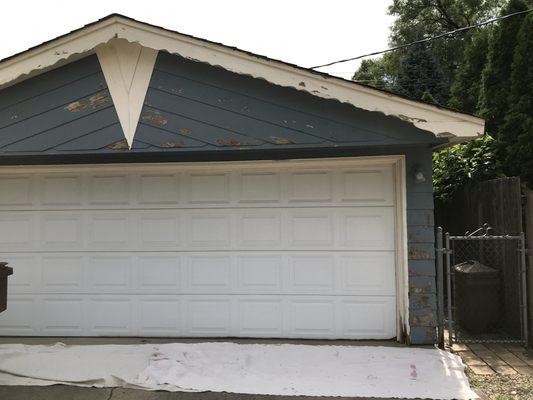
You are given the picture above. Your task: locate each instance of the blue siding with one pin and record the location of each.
(189, 106)
(195, 112)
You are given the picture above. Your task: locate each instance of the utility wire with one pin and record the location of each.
(450, 33)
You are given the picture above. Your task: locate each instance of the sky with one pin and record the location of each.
(303, 32)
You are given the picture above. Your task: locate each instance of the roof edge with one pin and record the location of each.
(442, 122)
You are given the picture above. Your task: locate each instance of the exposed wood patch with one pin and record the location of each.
(281, 140)
(120, 145)
(94, 102)
(155, 117)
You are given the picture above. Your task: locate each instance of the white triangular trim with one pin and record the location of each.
(127, 69)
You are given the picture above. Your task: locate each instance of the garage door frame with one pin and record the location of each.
(397, 162)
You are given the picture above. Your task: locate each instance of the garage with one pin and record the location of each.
(301, 249)
(155, 184)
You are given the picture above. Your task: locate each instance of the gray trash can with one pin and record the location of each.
(5, 271)
(477, 300)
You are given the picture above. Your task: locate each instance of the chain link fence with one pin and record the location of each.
(482, 287)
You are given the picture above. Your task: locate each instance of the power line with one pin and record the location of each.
(450, 33)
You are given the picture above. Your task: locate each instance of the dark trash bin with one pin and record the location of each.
(5, 271)
(477, 300)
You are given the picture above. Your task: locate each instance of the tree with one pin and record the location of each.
(516, 134)
(496, 84)
(380, 73)
(420, 76)
(457, 165)
(427, 18)
(466, 86)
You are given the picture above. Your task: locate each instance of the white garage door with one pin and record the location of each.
(286, 249)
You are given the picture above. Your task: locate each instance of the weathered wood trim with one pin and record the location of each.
(402, 266)
(441, 122)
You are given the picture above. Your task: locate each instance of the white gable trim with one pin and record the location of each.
(442, 122)
(127, 68)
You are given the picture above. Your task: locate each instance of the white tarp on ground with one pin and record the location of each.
(351, 371)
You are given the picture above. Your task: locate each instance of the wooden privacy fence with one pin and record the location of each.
(498, 203)
(528, 218)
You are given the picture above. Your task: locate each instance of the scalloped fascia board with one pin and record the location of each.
(443, 123)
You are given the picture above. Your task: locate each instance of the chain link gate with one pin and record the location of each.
(481, 283)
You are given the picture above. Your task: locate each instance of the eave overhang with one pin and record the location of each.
(442, 122)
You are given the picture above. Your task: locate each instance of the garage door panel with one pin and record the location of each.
(310, 186)
(17, 191)
(109, 273)
(110, 315)
(109, 231)
(313, 273)
(367, 228)
(159, 230)
(63, 316)
(61, 231)
(367, 273)
(259, 188)
(313, 228)
(18, 232)
(238, 187)
(208, 188)
(62, 273)
(254, 272)
(160, 316)
(21, 317)
(219, 250)
(259, 229)
(27, 278)
(208, 316)
(209, 273)
(313, 317)
(158, 190)
(368, 317)
(61, 191)
(208, 230)
(159, 273)
(260, 316)
(107, 190)
(367, 186)
(201, 316)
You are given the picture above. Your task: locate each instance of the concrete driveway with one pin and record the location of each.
(60, 392)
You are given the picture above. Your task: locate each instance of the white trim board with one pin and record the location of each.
(441, 122)
(127, 68)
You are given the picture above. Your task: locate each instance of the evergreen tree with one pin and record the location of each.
(496, 84)
(466, 86)
(420, 76)
(516, 135)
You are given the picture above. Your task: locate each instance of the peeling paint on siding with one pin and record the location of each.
(155, 117)
(281, 140)
(92, 103)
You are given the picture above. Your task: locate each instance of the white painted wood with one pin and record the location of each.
(182, 251)
(127, 69)
(67, 48)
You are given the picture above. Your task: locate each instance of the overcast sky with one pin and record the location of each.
(303, 32)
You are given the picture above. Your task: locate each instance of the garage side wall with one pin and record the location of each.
(421, 244)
